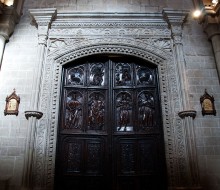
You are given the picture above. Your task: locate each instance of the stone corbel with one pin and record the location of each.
(175, 20)
(188, 113)
(43, 18)
(36, 114)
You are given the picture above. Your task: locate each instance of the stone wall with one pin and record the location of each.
(202, 74)
(18, 68)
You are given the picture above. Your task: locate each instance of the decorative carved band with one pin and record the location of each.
(187, 113)
(36, 114)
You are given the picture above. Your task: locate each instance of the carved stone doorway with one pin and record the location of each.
(110, 133)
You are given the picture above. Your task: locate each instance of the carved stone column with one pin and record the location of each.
(211, 27)
(43, 19)
(8, 19)
(2, 47)
(175, 20)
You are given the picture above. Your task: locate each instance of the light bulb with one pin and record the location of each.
(196, 13)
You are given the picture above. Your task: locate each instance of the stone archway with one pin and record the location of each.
(165, 68)
(69, 41)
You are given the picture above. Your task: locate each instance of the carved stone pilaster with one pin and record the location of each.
(43, 18)
(36, 114)
(175, 20)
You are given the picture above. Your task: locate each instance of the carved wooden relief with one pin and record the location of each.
(146, 109)
(144, 76)
(94, 158)
(75, 76)
(111, 118)
(73, 156)
(123, 74)
(147, 160)
(127, 157)
(96, 111)
(124, 111)
(74, 109)
(97, 74)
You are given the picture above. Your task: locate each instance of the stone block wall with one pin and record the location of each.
(16, 73)
(201, 75)
(18, 68)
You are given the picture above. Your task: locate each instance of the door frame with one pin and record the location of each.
(162, 65)
(145, 36)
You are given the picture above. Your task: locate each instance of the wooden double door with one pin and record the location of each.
(110, 133)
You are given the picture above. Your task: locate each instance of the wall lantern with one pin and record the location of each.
(7, 2)
(203, 7)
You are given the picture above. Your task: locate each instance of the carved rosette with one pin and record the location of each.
(36, 114)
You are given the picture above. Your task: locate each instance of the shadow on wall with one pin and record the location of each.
(4, 183)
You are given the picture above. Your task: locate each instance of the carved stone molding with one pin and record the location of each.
(36, 114)
(54, 65)
(144, 36)
(187, 113)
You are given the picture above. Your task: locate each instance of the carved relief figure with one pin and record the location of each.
(97, 73)
(75, 76)
(123, 74)
(146, 111)
(144, 76)
(123, 105)
(74, 111)
(96, 111)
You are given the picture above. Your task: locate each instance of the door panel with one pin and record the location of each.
(110, 131)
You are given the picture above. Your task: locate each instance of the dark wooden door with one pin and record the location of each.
(110, 132)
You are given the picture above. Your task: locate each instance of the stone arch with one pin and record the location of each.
(67, 50)
(50, 102)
